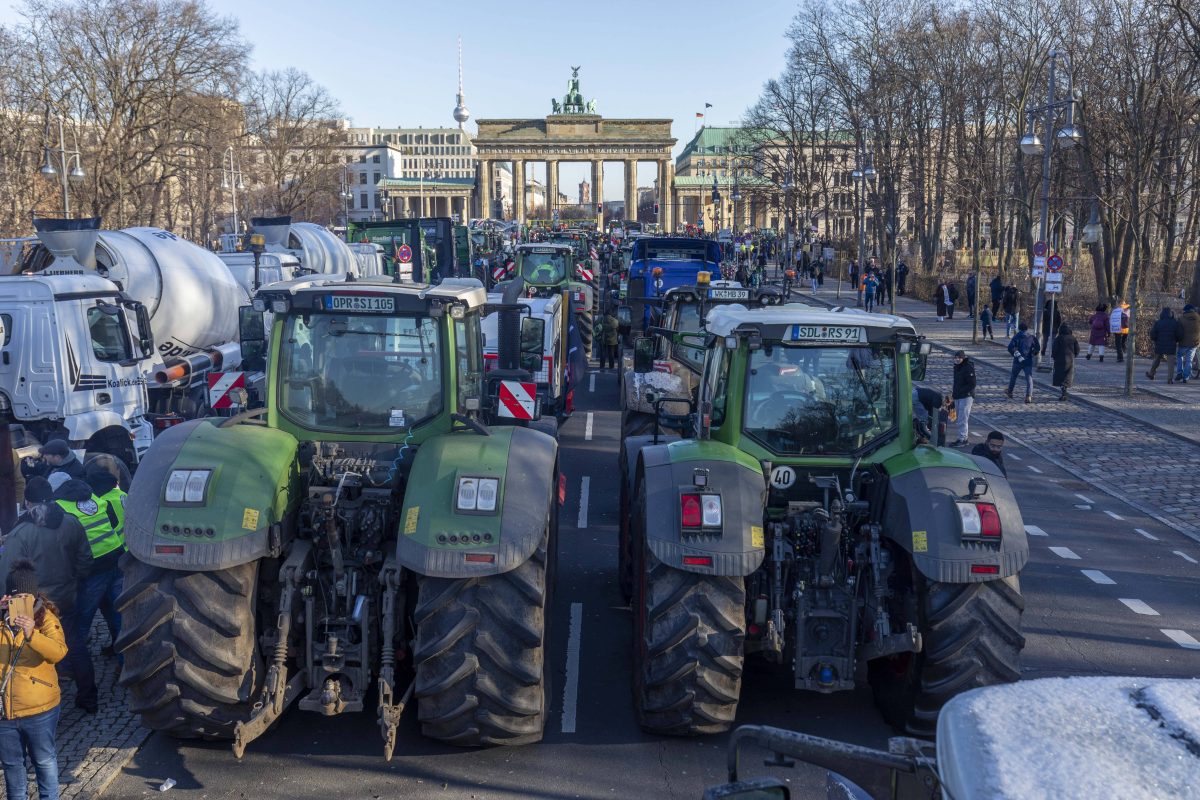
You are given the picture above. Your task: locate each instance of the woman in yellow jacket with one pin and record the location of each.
(30, 646)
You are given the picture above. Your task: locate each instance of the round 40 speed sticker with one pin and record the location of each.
(782, 477)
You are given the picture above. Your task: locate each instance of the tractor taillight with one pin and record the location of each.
(979, 520)
(989, 520)
(697, 561)
(700, 511)
(689, 510)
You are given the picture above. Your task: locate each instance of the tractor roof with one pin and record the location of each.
(464, 290)
(538, 246)
(725, 319)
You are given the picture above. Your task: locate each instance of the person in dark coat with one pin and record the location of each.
(1011, 300)
(953, 299)
(992, 450)
(971, 286)
(997, 287)
(901, 278)
(1047, 323)
(1165, 338)
(943, 300)
(1098, 337)
(963, 394)
(1065, 350)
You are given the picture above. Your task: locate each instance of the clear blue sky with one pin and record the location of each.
(394, 63)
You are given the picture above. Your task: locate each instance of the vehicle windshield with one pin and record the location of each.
(687, 320)
(820, 400)
(360, 373)
(543, 266)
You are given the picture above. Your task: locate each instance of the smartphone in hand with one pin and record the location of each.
(19, 605)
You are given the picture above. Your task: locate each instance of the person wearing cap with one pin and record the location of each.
(29, 649)
(963, 394)
(58, 457)
(993, 450)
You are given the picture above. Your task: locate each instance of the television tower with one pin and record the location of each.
(461, 113)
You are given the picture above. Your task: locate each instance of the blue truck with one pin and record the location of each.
(660, 263)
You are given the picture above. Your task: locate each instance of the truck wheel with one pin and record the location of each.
(480, 655)
(624, 539)
(972, 638)
(688, 635)
(191, 664)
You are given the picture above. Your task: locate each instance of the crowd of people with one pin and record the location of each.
(59, 564)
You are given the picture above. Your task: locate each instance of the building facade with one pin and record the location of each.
(431, 172)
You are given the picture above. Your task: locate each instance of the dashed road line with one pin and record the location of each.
(1064, 552)
(1034, 530)
(1112, 514)
(1185, 557)
(571, 690)
(1083, 507)
(1085, 499)
(1034, 469)
(1015, 457)
(1138, 607)
(1182, 638)
(1147, 534)
(587, 429)
(1097, 576)
(584, 489)
(592, 382)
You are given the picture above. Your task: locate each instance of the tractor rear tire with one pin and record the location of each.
(191, 662)
(636, 423)
(480, 655)
(971, 638)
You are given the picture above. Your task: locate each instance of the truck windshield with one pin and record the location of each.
(543, 267)
(820, 400)
(360, 373)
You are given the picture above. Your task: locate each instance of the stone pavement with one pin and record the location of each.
(93, 748)
(1142, 450)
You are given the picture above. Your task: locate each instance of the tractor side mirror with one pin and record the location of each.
(533, 346)
(758, 789)
(643, 354)
(252, 338)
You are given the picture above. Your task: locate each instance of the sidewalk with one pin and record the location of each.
(1141, 450)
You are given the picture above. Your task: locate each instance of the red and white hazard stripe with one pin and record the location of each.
(220, 384)
(518, 400)
(583, 272)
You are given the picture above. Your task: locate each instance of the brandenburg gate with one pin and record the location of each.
(572, 133)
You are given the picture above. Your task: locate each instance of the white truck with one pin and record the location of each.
(543, 350)
(292, 249)
(110, 333)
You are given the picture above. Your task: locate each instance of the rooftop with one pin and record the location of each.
(724, 320)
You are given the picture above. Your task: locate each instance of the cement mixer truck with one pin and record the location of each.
(291, 249)
(110, 334)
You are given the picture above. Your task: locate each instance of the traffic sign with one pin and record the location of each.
(1037, 271)
(1054, 283)
(1039, 248)
(1054, 263)
(404, 254)
(1039, 261)
(221, 385)
(518, 400)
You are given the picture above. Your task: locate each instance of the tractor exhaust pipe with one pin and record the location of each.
(508, 351)
(70, 239)
(177, 369)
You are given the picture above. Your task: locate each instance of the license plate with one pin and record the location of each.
(729, 294)
(362, 304)
(828, 333)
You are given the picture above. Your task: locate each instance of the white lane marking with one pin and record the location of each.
(1138, 607)
(1083, 507)
(1185, 557)
(1064, 552)
(592, 382)
(1033, 468)
(1015, 457)
(587, 429)
(584, 490)
(1182, 638)
(1147, 534)
(571, 690)
(1113, 515)
(1085, 499)
(1034, 530)
(1098, 577)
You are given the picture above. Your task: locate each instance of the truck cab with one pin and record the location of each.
(658, 264)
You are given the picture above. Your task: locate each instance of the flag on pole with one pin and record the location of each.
(699, 115)
(707, 106)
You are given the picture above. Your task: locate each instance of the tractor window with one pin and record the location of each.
(110, 339)
(820, 400)
(716, 383)
(468, 358)
(543, 268)
(360, 373)
(688, 320)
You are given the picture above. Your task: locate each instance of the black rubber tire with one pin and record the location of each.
(191, 661)
(480, 655)
(971, 638)
(689, 632)
(624, 535)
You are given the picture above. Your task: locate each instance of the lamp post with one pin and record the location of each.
(66, 157)
(346, 195)
(787, 223)
(1033, 145)
(863, 172)
(231, 178)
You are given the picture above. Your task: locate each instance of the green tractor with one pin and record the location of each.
(366, 529)
(805, 526)
(549, 269)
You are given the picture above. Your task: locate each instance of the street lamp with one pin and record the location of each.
(66, 157)
(346, 195)
(231, 179)
(1032, 144)
(861, 175)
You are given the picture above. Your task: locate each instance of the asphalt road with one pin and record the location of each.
(1135, 611)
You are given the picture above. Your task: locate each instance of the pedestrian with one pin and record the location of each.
(993, 450)
(1047, 322)
(1165, 338)
(941, 298)
(1011, 300)
(1066, 348)
(901, 278)
(1098, 337)
(953, 287)
(55, 456)
(971, 286)
(870, 287)
(1189, 340)
(1118, 326)
(857, 277)
(30, 646)
(887, 286)
(813, 277)
(997, 288)
(1023, 348)
(963, 394)
(985, 323)
(608, 352)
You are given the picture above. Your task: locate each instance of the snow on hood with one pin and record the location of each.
(1128, 738)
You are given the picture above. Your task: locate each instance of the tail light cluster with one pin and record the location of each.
(700, 512)
(979, 521)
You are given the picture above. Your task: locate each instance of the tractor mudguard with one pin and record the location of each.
(640, 386)
(669, 470)
(439, 540)
(234, 517)
(920, 516)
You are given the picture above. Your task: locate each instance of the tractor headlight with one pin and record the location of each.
(279, 305)
(187, 485)
(478, 494)
(259, 304)
(457, 311)
(468, 494)
(489, 492)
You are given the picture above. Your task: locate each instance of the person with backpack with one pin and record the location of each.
(1023, 348)
(1118, 326)
(1098, 338)
(1165, 338)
